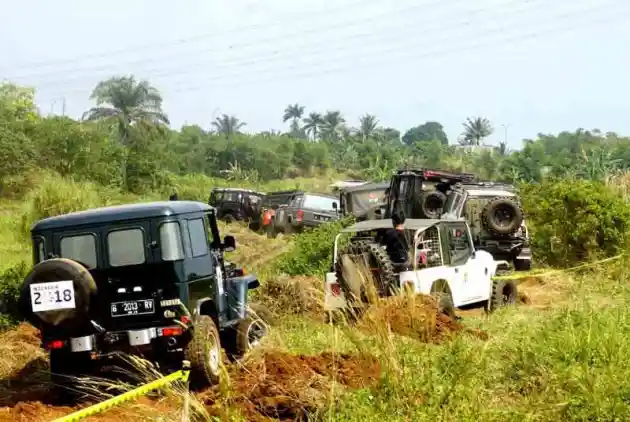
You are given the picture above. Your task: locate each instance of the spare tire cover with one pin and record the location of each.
(57, 292)
(502, 216)
(432, 204)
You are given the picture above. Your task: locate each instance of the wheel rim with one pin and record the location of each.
(503, 217)
(214, 355)
(255, 332)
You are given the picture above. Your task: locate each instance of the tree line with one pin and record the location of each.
(125, 141)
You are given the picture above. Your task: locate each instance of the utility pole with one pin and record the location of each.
(505, 128)
(63, 107)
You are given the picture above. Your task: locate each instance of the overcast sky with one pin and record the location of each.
(535, 66)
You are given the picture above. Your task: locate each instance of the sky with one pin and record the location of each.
(529, 66)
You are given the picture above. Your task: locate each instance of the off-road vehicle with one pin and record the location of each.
(496, 220)
(443, 262)
(364, 202)
(421, 193)
(304, 210)
(271, 202)
(148, 279)
(235, 204)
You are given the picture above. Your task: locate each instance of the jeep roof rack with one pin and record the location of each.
(437, 176)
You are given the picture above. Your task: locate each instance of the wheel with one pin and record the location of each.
(249, 332)
(65, 368)
(228, 218)
(502, 216)
(445, 303)
(204, 352)
(432, 204)
(504, 293)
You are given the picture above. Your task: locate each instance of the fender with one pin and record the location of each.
(206, 306)
(237, 289)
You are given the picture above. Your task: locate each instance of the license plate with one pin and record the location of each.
(52, 296)
(133, 307)
(321, 218)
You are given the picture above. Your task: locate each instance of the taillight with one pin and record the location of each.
(299, 215)
(335, 289)
(172, 331)
(56, 344)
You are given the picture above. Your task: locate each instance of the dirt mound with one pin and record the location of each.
(294, 295)
(281, 386)
(415, 316)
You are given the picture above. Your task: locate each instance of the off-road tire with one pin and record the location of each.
(432, 204)
(229, 218)
(488, 216)
(204, 352)
(445, 303)
(387, 277)
(243, 343)
(59, 269)
(504, 293)
(65, 367)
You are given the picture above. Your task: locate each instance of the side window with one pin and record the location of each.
(171, 241)
(39, 246)
(81, 248)
(198, 237)
(459, 244)
(126, 247)
(428, 254)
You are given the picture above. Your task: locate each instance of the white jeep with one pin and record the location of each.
(444, 264)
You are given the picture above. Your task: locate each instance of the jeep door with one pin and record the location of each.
(466, 276)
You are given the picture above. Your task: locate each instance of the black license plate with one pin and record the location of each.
(322, 218)
(133, 307)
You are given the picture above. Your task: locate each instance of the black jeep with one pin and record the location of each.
(147, 279)
(235, 204)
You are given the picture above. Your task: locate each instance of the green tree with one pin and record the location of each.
(293, 112)
(228, 125)
(367, 125)
(332, 126)
(427, 132)
(126, 101)
(476, 130)
(313, 124)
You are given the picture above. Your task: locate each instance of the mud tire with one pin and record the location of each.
(386, 280)
(490, 219)
(204, 353)
(59, 269)
(504, 293)
(432, 204)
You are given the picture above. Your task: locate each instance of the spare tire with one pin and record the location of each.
(64, 306)
(502, 216)
(374, 257)
(432, 204)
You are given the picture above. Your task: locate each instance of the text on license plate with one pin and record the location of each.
(134, 307)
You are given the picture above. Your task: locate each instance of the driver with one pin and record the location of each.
(395, 241)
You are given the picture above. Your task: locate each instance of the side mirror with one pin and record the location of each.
(229, 243)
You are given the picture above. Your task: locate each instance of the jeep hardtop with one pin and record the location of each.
(364, 202)
(147, 278)
(237, 204)
(443, 262)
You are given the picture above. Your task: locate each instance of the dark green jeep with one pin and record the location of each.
(146, 279)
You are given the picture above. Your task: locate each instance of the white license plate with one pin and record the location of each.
(52, 296)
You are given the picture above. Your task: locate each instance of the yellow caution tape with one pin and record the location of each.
(553, 272)
(128, 396)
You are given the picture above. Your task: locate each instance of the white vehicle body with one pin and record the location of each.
(445, 260)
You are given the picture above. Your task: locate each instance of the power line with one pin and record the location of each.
(362, 22)
(239, 29)
(361, 39)
(402, 53)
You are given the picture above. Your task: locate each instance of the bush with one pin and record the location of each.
(10, 281)
(312, 251)
(572, 221)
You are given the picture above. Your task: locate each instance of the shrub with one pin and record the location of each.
(10, 281)
(575, 220)
(312, 251)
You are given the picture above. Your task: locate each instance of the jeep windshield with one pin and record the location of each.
(317, 202)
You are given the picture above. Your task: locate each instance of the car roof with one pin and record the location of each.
(490, 192)
(367, 186)
(237, 190)
(410, 224)
(121, 212)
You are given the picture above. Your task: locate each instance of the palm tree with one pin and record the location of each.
(227, 125)
(126, 101)
(313, 124)
(367, 125)
(333, 123)
(476, 129)
(294, 112)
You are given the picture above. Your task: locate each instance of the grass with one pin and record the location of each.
(560, 355)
